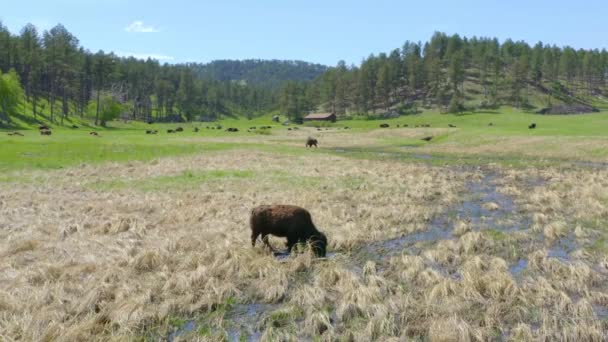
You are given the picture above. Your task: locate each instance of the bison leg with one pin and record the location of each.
(290, 244)
(254, 237)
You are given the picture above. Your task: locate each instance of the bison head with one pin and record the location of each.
(318, 244)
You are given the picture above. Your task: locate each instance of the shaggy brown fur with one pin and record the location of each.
(290, 221)
(179, 129)
(94, 134)
(532, 126)
(45, 132)
(384, 125)
(310, 142)
(427, 138)
(170, 131)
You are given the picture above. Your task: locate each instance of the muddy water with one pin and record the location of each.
(501, 215)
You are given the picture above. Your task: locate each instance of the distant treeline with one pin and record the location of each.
(61, 78)
(448, 71)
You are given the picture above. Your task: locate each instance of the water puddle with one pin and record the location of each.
(562, 248)
(184, 329)
(520, 266)
(246, 321)
(601, 312)
(483, 207)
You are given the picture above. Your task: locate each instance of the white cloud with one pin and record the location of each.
(140, 27)
(144, 56)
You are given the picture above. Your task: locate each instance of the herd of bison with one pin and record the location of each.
(46, 130)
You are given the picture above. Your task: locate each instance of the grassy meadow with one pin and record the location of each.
(482, 233)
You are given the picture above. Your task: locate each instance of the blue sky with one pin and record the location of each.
(316, 31)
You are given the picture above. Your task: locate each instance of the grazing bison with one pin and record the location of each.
(196, 129)
(74, 127)
(95, 134)
(452, 126)
(179, 129)
(490, 124)
(45, 132)
(290, 221)
(427, 138)
(232, 129)
(384, 125)
(532, 126)
(151, 131)
(310, 142)
(170, 131)
(252, 127)
(44, 127)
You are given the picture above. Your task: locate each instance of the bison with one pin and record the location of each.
(196, 129)
(232, 129)
(532, 126)
(95, 134)
(310, 142)
(43, 127)
(179, 129)
(384, 125)
(151, 131)
(45, 132)
(451, 126)
(289, 221)
(170, 131)
(427, 138)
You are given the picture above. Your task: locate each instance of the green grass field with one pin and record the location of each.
(558, 138)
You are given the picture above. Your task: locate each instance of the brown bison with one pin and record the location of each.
(170, 131)
(45, 132)
(289, 221)
(384, 125)
(532, 126)
(427, 138)
(310, 142)
(95, 134)
(179, 129)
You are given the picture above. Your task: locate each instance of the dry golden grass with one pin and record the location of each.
(94, 252)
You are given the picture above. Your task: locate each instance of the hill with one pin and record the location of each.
(269, 74)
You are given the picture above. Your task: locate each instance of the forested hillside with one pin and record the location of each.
(455, 74)
(49, 75)
(268, 74)
(61, 79)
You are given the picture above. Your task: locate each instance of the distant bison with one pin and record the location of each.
(310, 142)
(170, 131)
(384, 125)
(532, 126)
(452, 126)
(151, 131)
(95, 134)
(196, 129)
(290, 221)
(179, 129)
(232, 129)
(45, 132)
(427, 138)
(490, 124)
(43, 127)
(74, 127)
